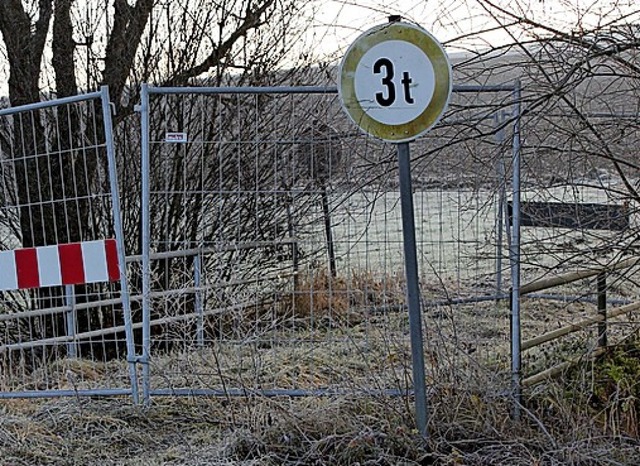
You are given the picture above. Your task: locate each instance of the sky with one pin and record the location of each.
(455, 23)
(341, 21)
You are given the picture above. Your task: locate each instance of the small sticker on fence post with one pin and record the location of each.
(175, 137)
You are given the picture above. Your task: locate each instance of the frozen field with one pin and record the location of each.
(457, 233)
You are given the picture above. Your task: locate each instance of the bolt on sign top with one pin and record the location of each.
(395, 81)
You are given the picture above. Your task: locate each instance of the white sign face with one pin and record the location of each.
(395, 81)
(394, 90)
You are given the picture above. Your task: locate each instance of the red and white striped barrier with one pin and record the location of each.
(62, 264)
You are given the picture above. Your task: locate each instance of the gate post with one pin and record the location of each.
(514, 254)
(502, 202)
(70, 321)
(146, 241)
(117, 224)
(197, 283)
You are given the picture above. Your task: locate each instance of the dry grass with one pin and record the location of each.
(468, 426)
(353, 335)
(343, 300)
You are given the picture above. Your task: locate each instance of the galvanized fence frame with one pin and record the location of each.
(103, 141)
(507, 119)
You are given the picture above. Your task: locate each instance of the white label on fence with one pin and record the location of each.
(175, 137)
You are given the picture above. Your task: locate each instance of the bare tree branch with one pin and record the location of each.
(25, 45)
(63, 48)
(252, 20)
(128, 27)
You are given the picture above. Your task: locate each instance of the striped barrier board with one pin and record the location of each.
(61, 264)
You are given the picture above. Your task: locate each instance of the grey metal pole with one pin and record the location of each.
(514, 254)
(146, 242)
(117, 224)
(413, 289)
(70, 320)
(462, 88)
(197, 267)
(502, 199)
(51, 103)
(294, 252)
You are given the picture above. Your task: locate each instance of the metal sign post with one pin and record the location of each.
(413, 287)
(394, 83)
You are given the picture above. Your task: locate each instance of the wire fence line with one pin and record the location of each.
(265, 247)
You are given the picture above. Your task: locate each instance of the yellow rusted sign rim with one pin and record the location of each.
(433, 52)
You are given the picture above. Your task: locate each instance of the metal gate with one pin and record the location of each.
(272, 252)
(271, 247)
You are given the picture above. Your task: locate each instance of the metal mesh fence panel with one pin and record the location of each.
(275, 242)
(272, 256)
(59, 211)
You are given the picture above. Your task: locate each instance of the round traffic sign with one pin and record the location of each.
(395, 81)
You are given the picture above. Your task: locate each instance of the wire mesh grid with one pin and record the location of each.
(294, 266)
(55, 189)
(276, 245)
